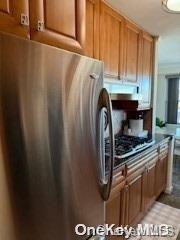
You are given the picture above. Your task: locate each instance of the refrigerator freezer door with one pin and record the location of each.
(49, 103)
(105, 103)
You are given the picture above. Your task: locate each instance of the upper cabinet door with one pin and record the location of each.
(92, 28)
(14, 17)
(111, 41)
(146, 69)
(59, 23)
(131, 52)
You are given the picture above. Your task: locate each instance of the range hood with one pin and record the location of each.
(125, 101)
(125, 97)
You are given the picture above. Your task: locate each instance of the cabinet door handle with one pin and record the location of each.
(40, 26)
(126, 188)
(24, 19)
(94, 76)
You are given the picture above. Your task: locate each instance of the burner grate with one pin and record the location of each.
(125, 144)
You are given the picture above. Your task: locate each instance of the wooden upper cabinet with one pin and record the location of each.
(11, 14)
(92, 28)
(59, 23)
(111, 41)
(145, 76)
(131, 52)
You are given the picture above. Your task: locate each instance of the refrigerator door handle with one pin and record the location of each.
(105, 103)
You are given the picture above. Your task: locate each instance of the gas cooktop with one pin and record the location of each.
(126, 146)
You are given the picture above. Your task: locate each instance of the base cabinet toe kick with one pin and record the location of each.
(137, 184)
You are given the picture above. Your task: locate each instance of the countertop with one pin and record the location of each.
(170, 129)
(158, 137)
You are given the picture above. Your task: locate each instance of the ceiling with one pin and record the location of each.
(149, 15)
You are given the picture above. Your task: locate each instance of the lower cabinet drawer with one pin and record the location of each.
(140, 163)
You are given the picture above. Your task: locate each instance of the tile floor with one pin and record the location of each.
(173, 199)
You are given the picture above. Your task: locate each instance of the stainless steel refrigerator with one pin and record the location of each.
(51, 120)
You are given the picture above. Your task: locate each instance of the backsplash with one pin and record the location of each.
(118, 117)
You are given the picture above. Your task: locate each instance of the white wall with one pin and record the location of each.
(161, 104)
(162, 88)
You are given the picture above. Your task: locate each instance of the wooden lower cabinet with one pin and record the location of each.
(161, 168)
(133, 198)
(161, 173)
(144, 180)
(115, 205)
(149, 186)
(114, 211)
